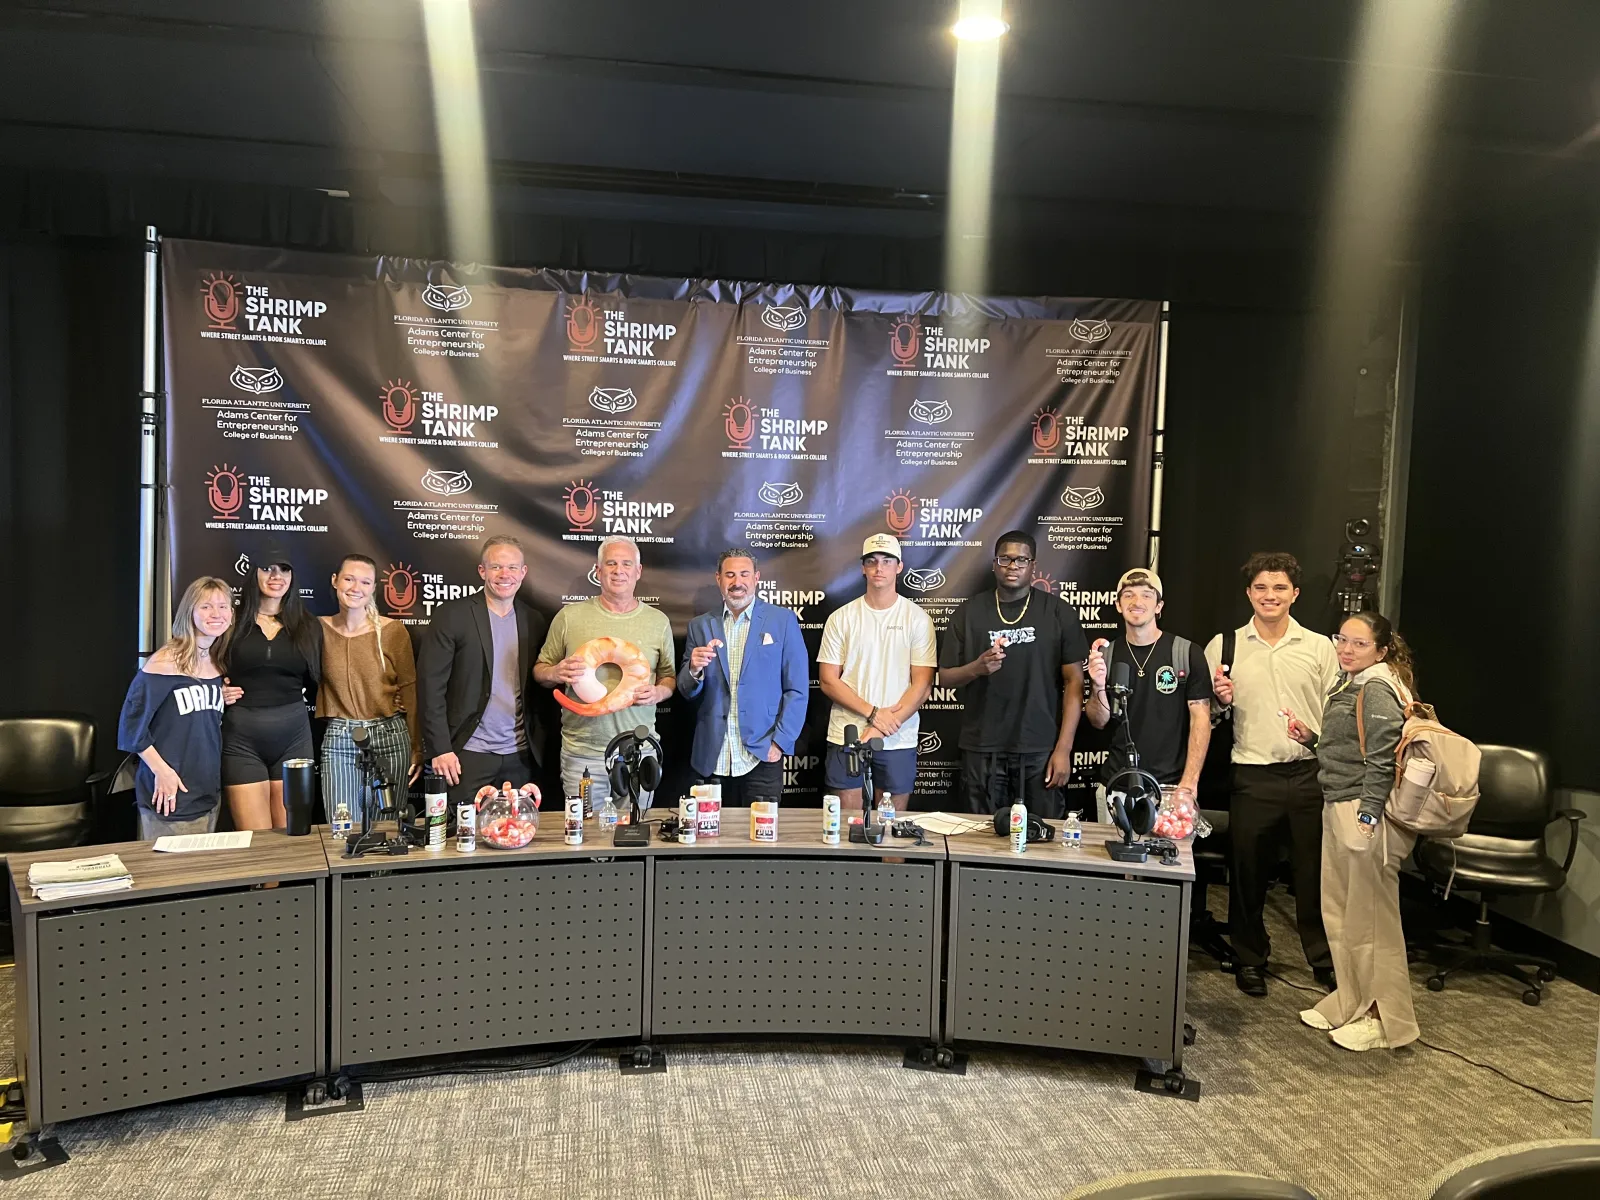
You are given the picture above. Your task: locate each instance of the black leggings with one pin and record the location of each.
(257, 741)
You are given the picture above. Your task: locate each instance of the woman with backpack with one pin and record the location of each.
(1361, 851)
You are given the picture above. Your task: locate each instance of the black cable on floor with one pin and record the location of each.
(1453, 1053)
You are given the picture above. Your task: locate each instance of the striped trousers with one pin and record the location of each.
(389, 740)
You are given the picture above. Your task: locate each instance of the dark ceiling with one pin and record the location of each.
(828, 112)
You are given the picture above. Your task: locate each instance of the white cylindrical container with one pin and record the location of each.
(830, 820)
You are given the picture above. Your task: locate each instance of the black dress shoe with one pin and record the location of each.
(1252, 981)
(1325, 979)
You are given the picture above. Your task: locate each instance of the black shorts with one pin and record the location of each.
(256, 742)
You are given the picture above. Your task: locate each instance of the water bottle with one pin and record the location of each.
(886, 808)
(586, 793)
(608, 817)
(341, 824)
(1072, 832)
(1019, 828)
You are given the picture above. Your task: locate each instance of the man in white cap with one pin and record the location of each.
(876, 664)
(1167, 715)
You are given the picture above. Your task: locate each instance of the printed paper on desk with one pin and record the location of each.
(182, 843)
(766, 639)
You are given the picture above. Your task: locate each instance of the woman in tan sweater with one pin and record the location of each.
(369, 681)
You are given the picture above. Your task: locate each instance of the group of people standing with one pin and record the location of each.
(219, 709)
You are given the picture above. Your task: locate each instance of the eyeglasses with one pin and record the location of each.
(1011, 560)
(1339, 639)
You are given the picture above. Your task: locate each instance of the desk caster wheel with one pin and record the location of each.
(316, 1093)
(641, 1056)
(339, 1087)
(1546, 974)
(1531, 996)
(1436, 983)
(22, 1149)
(1173, 1082)
(945, 1057)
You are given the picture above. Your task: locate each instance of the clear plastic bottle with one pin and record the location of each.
(341, 826)
(1072, 832)
(886, 812)
(607, 817)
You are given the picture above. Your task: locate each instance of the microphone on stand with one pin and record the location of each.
(1121, 687)
(852, 749)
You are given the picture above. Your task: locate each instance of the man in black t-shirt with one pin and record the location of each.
(1016, 655)
(1168, 714)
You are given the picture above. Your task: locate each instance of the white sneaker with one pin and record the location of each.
(1364, 1033)
(1315, 1019)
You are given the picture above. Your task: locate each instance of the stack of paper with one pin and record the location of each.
(80, 877)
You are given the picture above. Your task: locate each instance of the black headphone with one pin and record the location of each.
(1134, 812)
(1038, 829)
(627, 749)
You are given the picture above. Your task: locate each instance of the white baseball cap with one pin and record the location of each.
(1141, 577)
(881, 543)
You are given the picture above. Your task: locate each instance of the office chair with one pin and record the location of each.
(1529, 1171)
(1501, 854)
(47, 781)
(1212, 854)
(1190, 1185)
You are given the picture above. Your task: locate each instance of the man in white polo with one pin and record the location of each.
(876, 663)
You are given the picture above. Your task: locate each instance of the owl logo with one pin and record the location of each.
(241, 565)
(613, 400)
(925, 580)
(931, 412)
(1090, 331)
(781, 495)
(1083, 498)
(783, 318)
(447, 483)
(594, 575)
(446, 297)
(929, 743)
(739, 423)
(258, 381)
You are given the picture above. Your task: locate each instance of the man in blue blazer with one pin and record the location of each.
(748, 667)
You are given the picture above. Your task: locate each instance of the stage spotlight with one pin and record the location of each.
(979, 29)
(458, 121)
(972, 118)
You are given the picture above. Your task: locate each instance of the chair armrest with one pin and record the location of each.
(1571, 816)
(100, 777)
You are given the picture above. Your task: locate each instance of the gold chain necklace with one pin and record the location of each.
(1020, 615)
(1148, 655)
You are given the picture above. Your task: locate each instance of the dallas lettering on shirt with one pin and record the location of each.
(198, 697)
(1014, 636)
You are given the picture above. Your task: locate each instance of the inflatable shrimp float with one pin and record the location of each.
(593, 699)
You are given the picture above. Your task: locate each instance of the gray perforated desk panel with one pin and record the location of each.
(196, 980)
(1069, 949)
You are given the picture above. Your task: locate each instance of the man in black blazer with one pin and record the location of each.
(475, 679)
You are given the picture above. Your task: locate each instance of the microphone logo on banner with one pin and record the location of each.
(583, 325)
(900, 511)
(931, 412)
(447, 483)
(399, 405)
(445, 297)
(1045, 582)
(783, 318)
(221, 294)
(925, 579)
(613, 400)
(258, 381)
(225, 491)
(929, 743)
(582, 509)
(1090, 331)
(739, 423)
(1083, 498)
(1046, 430)
(905, 340)
(781, 495)
(400, 589)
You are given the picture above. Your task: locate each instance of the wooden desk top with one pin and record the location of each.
(986, 849)
(271, 857)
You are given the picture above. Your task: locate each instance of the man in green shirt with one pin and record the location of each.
(616, 612)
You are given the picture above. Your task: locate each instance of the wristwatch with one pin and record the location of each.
(1367, 818)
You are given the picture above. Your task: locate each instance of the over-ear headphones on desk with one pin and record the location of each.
(1038, 829)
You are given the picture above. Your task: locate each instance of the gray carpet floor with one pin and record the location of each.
(846, 1120)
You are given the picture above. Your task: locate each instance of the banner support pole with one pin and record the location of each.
(1158, 466)
(149, 445)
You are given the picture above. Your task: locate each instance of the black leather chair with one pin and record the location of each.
(1501, 854)
(1190, 1185)
(1531, 1171)
(47, 781)
(1212, 856)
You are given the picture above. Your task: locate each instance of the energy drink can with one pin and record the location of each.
(1019, 828)
(573, 835)
(437, 802)
(467, 827)
(688, 821)
(830, 820)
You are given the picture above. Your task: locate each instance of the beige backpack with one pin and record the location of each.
(1435, 772)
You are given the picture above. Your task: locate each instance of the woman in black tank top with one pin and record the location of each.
(275, 662)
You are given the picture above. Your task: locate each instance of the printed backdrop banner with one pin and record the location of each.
(408, 409)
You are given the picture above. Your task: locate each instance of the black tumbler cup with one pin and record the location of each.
(299, 785)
